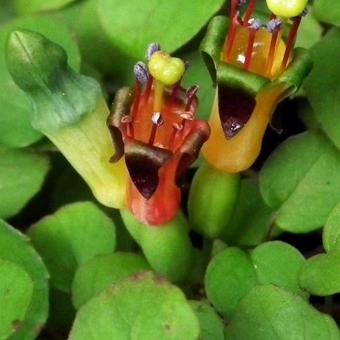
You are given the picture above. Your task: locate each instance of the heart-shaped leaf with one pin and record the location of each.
(327, 11)
(70, 237)
(331, 231)
(301, 180)
(322, 85)
(269, 312)
(143, 307)
(39, 5)
(21, 176)
(154, 20)
(278, 263)
(101, 272)
(211, 324)
(15, 247)
(230, 276)
(320, 275)
(16, 289)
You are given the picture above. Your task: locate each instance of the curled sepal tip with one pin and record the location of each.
(39, 67)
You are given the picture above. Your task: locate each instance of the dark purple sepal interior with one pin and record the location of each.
(235, 108)
(143, 162)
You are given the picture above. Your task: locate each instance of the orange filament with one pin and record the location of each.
(260, 52)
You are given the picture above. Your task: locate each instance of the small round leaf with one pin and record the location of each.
(269, 312)
(14, 247)
(21, 176)
(278, 263)
(143, 307)
(70, 237)
(331, 231)
(320, 275)
(101, 272)
(16, 289)
(230, 276)
(211, 324)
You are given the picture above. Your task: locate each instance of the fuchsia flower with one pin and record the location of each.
(154, 125)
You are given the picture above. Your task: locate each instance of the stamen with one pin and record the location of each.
(254, 26)
(157, 120)
(152, 48)
(175, 129)
(127, 123)
(274, 27)
(291, 41)
(249, 12)
(174, 95)
(148, 88)
(190, 93)
(141, 72)
(231, 36)
(137, 96)
(187, 116)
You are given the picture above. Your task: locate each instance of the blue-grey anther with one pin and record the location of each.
(274, 25)
(141, 72)
(152, 48)
(255, 24)
(305, 12)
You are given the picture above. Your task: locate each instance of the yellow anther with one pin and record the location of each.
(166, 69)
(287, 8)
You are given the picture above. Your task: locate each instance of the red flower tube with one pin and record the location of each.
(154, 125)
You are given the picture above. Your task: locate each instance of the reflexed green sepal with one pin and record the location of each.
(39, 67)
(212, 44)
(296, 72)
(239, 79)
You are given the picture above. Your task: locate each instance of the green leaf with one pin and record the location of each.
(101, 272)
(320, 275)
(230, 276)
(278, 263)
(39, 5)
(70, 237)
(269, 312)
(21, 176)
(251, 219)
(39, 67)
(154, 20)
(305, 189)
(15, 247)
(143, 307)
(211, 324)
(83, 18)
(16, 289)
(331, 231)
(327, 11)
(322, 85)
(310, 32)
(15, 126)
